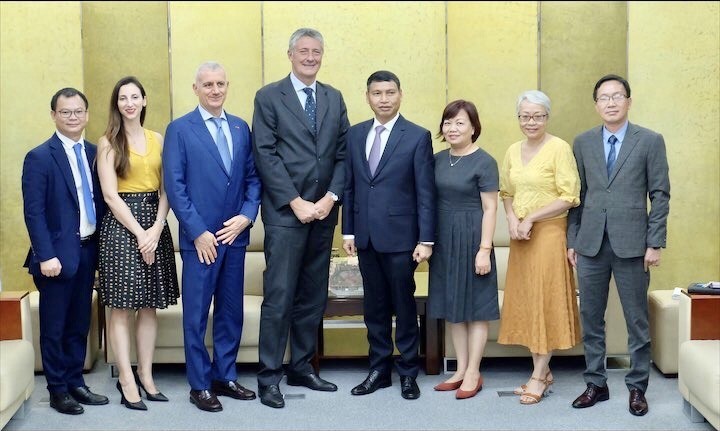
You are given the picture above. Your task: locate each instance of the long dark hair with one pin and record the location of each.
(115, 130)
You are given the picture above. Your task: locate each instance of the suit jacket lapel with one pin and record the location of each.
(628, 145)
(395, 136)
(321, 105)
(360, 147)
(292, 103)
(58, 152)
(206, 140)
(597, 150)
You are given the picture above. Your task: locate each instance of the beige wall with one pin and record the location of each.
(487, 52)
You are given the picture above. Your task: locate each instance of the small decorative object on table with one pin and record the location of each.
(709, 288)
(345, 278)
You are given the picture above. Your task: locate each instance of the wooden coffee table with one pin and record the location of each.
(430, 329)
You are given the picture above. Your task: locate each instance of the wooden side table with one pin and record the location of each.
(704, 316)
(10, 314)
(430, 329)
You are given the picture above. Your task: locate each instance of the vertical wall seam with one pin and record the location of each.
(447, 57)
(539, 45)
(170, 68)
(262, 44)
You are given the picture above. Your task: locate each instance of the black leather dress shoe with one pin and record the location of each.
(311, 381)
(83, 395)
(592, 395)
(374, 381)
(271, 396)
(205, 400)
(409, 388)
(638, 403)
(64, 403)
(232, 389)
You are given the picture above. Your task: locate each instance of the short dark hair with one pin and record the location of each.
(383, 76)
(67, 92)
(453, 109)
(611, 77)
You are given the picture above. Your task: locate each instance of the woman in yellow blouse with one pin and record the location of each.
(136, 264)
(539, 182)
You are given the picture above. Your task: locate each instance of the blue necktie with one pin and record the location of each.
(375, 154)
(87, 194)
(611, 155)
(221, 142)
(310, 108)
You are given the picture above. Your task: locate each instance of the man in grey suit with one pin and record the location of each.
(621, 165)
(299, 128)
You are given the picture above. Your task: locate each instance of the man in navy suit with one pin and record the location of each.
(214, 191)
(389, 219)
(299, 126)
(63, 207)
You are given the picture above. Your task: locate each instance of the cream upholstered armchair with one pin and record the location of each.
(17, 356)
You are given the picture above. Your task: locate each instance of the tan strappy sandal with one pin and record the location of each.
(535, 398)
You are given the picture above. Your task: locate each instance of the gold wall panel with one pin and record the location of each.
(492, 57)
(119, 40)
(579, 43)
(674, 55)
(361, 38)
(40, 53)
(226, 32)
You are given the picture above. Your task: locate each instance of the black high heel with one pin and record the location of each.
(151, 397)
(132, 406)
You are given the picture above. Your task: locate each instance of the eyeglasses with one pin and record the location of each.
(79, 113)
(617, 98)
(539, 118)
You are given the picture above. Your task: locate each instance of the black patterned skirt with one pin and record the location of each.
(126, 281)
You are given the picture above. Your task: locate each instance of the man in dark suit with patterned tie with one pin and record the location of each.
(63, 206)
(621, 167)
(299, 128)
(389, 220)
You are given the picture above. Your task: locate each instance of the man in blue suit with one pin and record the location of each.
(63, 207)
(389, 219)
(214, 191)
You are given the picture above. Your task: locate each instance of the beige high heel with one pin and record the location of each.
(535, 398)
(523, 388)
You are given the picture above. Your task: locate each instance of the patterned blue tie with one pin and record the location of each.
(221, 142)
(611, 155)
(87, 194)
(310, 108)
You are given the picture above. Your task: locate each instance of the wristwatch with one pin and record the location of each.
(333, 196)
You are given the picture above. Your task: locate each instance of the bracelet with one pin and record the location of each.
(164, 221)
(485, 248)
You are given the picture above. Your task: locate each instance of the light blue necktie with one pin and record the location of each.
(310, 108)
(374, 156)
(612, 140)
(87, 194)
(221, 142)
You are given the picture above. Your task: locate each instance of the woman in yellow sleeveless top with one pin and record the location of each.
(539, 182)
(136, 263)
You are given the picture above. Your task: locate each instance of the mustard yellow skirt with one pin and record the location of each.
(539, 305)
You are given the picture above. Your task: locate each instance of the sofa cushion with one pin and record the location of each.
(699, 372)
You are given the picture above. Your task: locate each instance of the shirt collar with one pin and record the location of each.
(207, 115)
(68, 143)
(298, 85)
(389, 125)
(620, 134)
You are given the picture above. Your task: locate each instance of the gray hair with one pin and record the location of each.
(305, 32)
(208, 65)
(534, 96)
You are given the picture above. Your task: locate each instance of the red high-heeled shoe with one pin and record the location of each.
(461, 395)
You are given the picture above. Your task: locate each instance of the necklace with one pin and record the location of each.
(456, 161)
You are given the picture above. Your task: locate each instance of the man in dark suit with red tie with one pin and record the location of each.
(389, 219)
(63, 207)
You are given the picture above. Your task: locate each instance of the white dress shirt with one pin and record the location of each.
(86, 229)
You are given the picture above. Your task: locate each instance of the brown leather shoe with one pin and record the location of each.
(592, 395)
(638, 403)
(205, 400)
(232, 389)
